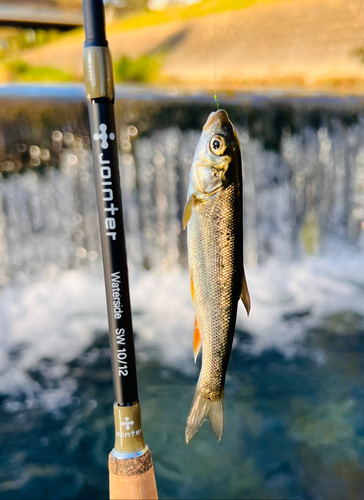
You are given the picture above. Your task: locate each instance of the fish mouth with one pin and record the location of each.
(218, 120)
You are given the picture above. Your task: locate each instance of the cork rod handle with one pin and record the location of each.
(132, 478)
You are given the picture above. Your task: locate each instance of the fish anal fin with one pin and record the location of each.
(192, 288)
(244, 294)
(188, 211)
(196, 341)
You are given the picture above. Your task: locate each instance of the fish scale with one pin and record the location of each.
(213, 266)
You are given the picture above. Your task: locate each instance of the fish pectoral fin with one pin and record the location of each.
(244, 294)
(188, 211)
(196, 341)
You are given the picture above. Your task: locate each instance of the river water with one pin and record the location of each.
(294, 395)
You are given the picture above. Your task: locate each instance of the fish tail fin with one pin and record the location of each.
(205, 409)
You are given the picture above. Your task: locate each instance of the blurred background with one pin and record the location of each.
(290, 73)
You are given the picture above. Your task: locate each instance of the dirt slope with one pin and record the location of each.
(310, 44)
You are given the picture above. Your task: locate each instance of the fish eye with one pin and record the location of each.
(217, 145)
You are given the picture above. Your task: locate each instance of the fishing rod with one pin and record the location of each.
(131, 473)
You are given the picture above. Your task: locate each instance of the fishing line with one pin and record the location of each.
(215, 95)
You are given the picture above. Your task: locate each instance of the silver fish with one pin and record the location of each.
(213, 216)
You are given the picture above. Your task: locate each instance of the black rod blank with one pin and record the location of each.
(105, 154)
(94, 19)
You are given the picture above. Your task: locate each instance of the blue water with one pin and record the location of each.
(294, 427)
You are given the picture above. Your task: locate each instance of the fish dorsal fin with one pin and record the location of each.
(188, 211)
(244, 294)
(196, 341)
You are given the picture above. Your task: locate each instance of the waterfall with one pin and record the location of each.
(303, 196)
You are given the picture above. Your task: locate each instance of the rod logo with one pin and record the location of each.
(103, 135)
(127, 423)
(125, 431)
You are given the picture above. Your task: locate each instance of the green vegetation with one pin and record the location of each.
(12, 40)
(20, 71)
(179, 13)
(143, 69)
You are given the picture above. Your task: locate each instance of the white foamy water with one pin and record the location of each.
(57, 318)
(290, 299)
(54, 319)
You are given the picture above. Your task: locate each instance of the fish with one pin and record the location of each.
(213, 217)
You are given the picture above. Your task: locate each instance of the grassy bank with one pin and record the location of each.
(181, 13)
(27, 60)
(144, 69)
